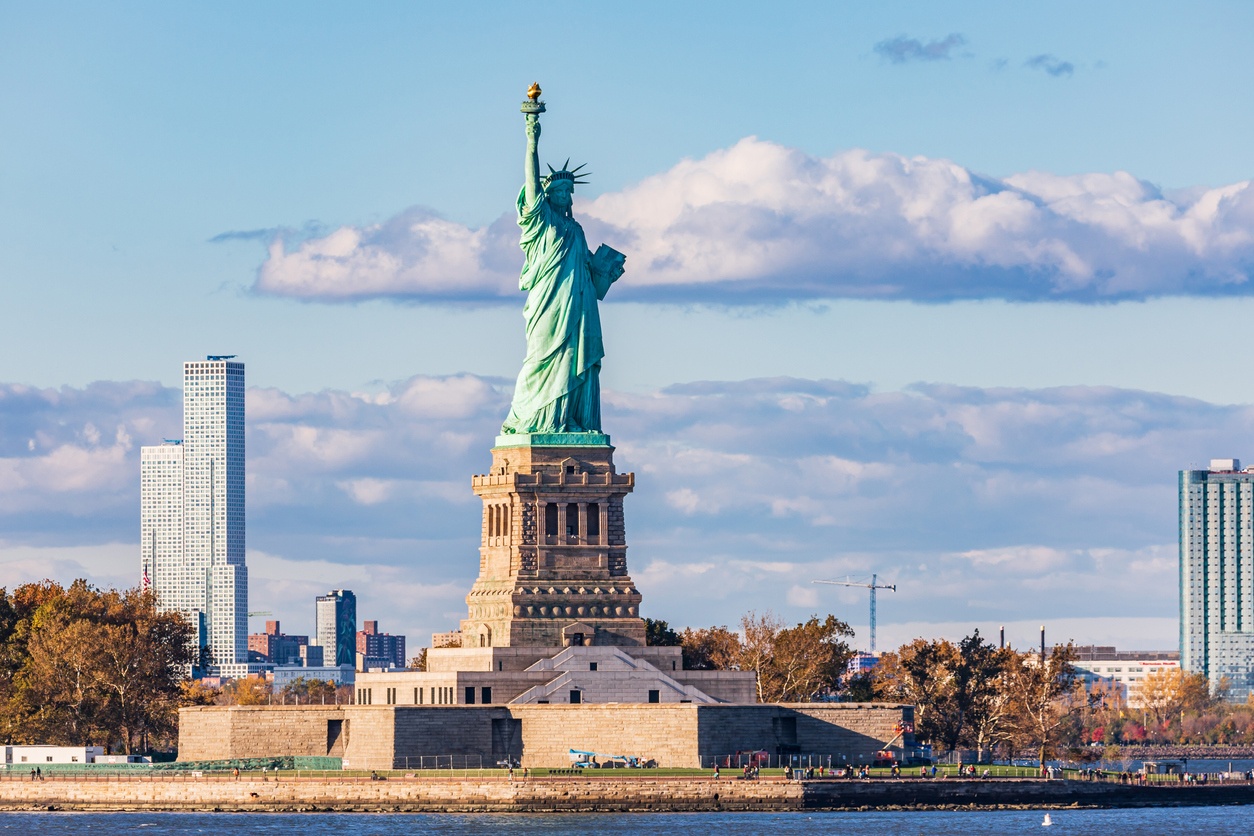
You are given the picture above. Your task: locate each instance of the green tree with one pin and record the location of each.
(860, 687)
(659, 634)
(979, 693)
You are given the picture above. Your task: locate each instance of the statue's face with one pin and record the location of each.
(560, 193)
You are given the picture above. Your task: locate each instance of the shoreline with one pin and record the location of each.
(575, 795)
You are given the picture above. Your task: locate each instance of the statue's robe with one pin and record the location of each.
(559, 387)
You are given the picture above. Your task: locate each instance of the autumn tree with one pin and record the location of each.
(1168, 693)
(921, 673)
(710, 649)
(304, 691)
(980, 694)
(811, 658)
(757, 648)
(143, 654)
(80, 665)
(960, 691)
(196, 692)
(57, 691)
(1045, 692)
(794, 664)
(251, 690)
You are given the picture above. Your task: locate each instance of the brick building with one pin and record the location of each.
(274, 647)
(380, 649)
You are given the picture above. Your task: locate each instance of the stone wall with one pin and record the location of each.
(735, 687)
(666, 733)
(462, 731)
(673, 734)
(599, 794)
(401, 795)
(255, 731)
(852, 731)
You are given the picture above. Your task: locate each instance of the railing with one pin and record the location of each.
(767, 760)
(1115, 776)
(806, 766)
(422, 762)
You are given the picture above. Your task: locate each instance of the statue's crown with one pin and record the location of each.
(565, 173)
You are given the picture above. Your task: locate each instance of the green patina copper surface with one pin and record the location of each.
(559, 387)
(591, 439)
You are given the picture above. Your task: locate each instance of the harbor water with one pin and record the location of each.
(1210, 820)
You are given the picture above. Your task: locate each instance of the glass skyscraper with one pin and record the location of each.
(1217, 575)
(192, 513)
(337, 627)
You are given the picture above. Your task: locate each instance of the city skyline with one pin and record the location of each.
(192, 517)
(961, 383)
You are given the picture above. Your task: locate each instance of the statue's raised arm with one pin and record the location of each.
(532, 108)
(559, 388)
(531, 166)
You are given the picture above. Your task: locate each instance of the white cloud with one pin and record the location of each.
(416, 249)
(802, 596)
(686, 500)
(759, 222)
(980, 504)
(103, 564)
(367, 491)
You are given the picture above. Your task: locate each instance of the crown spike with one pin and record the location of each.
(551, 171)
(566, 165)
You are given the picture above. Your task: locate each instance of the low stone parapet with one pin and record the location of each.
(401, 795)
(542, 795)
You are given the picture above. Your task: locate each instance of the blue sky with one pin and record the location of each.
(970, 215)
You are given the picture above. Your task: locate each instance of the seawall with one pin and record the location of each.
(584, 795)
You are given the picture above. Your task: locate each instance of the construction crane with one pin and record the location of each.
(256, 613)
(873, 585)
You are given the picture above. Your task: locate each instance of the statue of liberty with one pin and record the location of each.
(559, 387)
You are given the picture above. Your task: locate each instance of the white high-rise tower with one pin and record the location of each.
(1217, 575)
(192, 517)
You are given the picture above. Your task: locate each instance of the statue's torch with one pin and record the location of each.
(533, 106)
